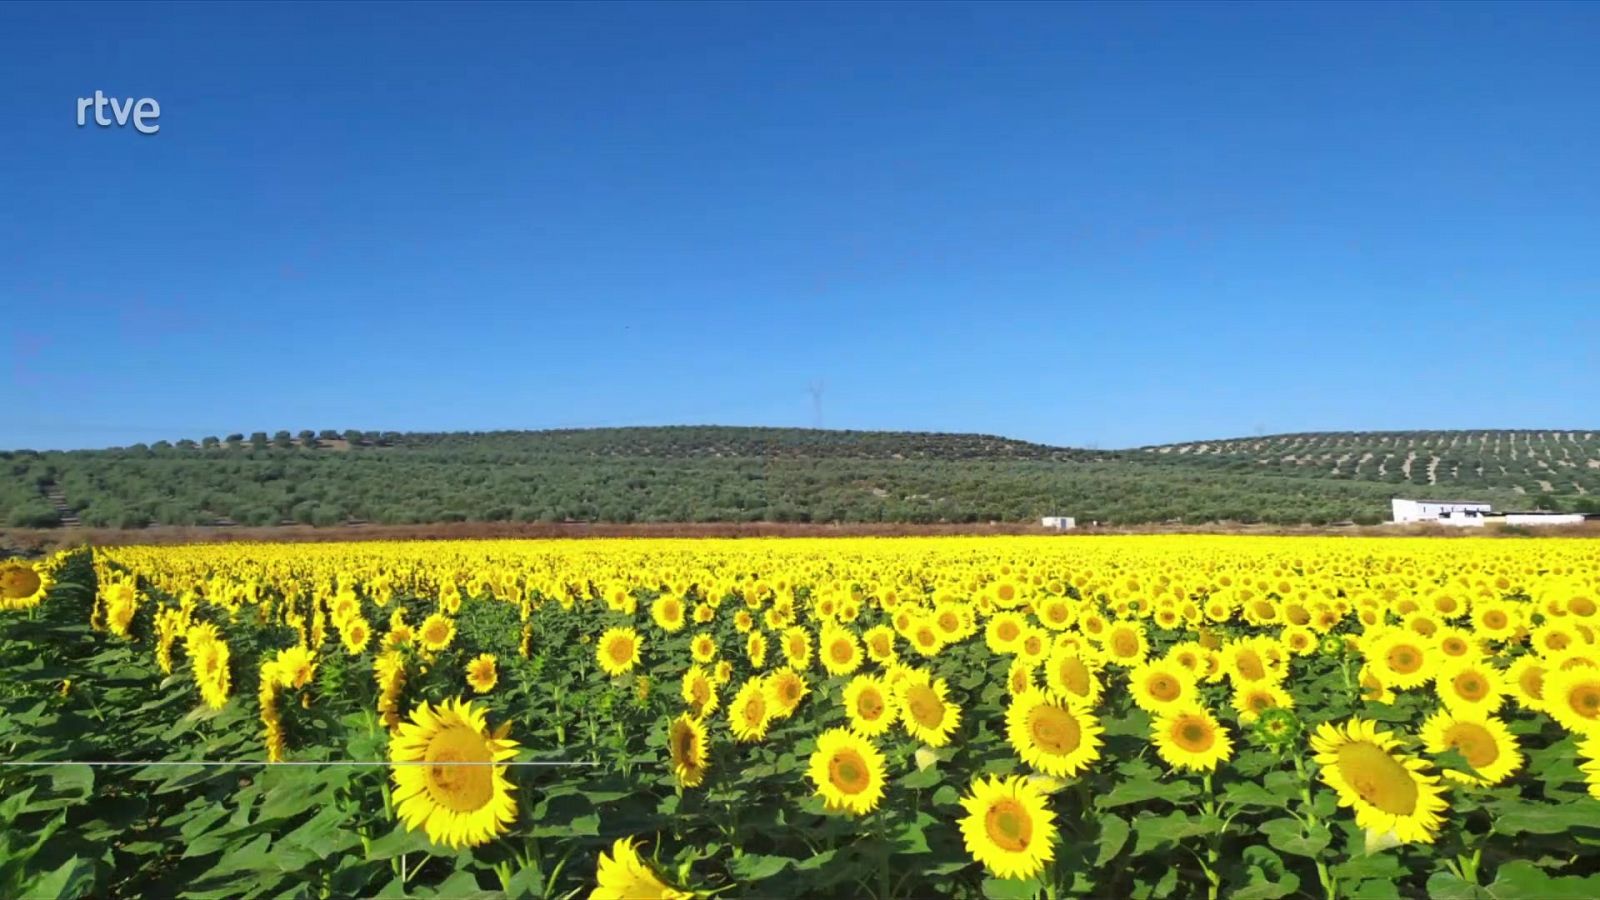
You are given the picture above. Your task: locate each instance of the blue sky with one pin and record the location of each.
(1100, 225)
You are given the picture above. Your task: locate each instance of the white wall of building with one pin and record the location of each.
(1543, 519)
(1467, 513)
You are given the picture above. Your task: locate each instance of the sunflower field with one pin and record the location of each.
(1131, 717)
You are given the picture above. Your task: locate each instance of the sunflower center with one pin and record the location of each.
(620, 650)
(455, 777)
(1532, 681)
(1054, 730)
(949, 622)
(1193, 735)
(1379, 778)
(1074, 675)
(1165, 688)
(1007, 630)
(1454, 646)
(1009, 825)
(17, 582)
(1557, 641)
(848, 772)
(1583, 606)
(1470, 686)
(789, 690)
(755, 710)
(1249, 665)
(1475, 743)
(1585, 700)
(870, 705)
(926, 707)
(1259, 702)
(1404, 659)
(1124, 643)
(1494, 619)
(840, 651)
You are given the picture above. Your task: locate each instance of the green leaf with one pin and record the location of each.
(1289, 836)
(1531, 817)
(1114, 833)
(397, 842)
(1248, 793)
(1155, 832)
(755, 867)
(1140, 790)
(73, 878)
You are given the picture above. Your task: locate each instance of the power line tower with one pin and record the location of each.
(816, 388)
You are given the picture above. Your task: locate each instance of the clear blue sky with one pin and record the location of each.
(1087, 225)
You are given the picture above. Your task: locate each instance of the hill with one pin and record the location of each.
(727, 474)
(1541, 465)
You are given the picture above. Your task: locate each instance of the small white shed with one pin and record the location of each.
(1059, 523)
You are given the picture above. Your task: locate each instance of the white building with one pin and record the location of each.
(1466, 513)
(1538, 518)
(1059, 523)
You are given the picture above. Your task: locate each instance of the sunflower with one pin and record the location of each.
(210, 655)
(1572, 697)
(1469, 685)
(1004, 631)
(1189, 737)
(1055, 738)
(699, 692)
(1068, 675)
(686, 744)
(1485, 741)
(481, 673)
(926, 710)
(295, 667)
(1125, 643)
(1525, 681)
(1390, 792)
(667, 611)
(356, 635)
(1251, 700)
(848, 771)
(785, 689)
(866, 703)
(1373, 690)
(448, 782)
(841, 654)
(797, 647)
(750, 713)
(1161, 685)
(880, 644)
(1019, 677)
(22, 586)
(755, 649)
(1401, 659)
(1009, 827)
(618, 650)
(1247, 662)
(703, 648)
(438, 630)
(624, 876)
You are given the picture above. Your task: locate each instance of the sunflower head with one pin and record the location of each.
(1009, 827)
(448, 781)
(848, 771)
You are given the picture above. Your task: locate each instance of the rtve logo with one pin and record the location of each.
(143, 112)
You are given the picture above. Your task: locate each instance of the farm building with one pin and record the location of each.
(1541, 518)
(1469, 513)
(1059, 523)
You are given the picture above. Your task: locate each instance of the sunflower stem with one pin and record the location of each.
(1330, 886)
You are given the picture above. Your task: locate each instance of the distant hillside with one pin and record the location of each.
(724, 474)
(1548, 464)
